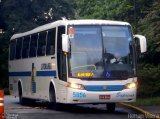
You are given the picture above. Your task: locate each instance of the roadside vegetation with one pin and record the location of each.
(152, 101)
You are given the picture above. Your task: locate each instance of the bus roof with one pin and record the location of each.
(69, 22)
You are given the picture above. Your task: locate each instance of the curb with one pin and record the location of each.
(12, 108)
(146, 113)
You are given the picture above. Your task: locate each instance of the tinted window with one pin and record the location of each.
(33, 45)
(51, 42)
(12, 49)
(25, 50)
(41, 44)
(61, 59)
(18, 48)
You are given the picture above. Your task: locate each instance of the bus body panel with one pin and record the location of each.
(24, 70)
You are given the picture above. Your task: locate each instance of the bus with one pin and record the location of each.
(76, 62)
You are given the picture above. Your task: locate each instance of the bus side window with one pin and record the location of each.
(12, 49)
(61, 58)
(41, 44)
(33, 45)
(51, 42)
(25, 50)
(19, 48)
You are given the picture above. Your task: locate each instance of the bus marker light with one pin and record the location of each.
(53, 64)
(71, 32)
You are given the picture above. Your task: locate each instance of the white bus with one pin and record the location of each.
(75, 62)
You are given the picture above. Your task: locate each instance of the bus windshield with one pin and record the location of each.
(101, 52)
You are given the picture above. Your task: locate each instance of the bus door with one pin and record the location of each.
(61, 65)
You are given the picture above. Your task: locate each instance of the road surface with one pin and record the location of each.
(14, 110)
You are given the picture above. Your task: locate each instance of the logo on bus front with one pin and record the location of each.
(124, 95)
(104, 87)
(108, 74)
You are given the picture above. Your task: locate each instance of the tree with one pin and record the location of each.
(23, 15)
(122, 10)
(149, 26)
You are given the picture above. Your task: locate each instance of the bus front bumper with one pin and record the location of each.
(76, 96)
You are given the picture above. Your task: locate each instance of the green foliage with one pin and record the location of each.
(149, 26)
(149, 83)
(98, 9)
(122, 10)
(152, 101)
(4, 60)
(22, 15)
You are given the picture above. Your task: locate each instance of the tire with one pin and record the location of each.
(52, 95)
(21, 99)
(111, 107)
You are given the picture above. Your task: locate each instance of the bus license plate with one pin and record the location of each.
(104, 97)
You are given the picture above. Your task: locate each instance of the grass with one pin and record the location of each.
(154, 101)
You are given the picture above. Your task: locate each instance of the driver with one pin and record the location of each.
(116, 59)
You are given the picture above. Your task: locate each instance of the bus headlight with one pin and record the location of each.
(75, 85)
(131, 85)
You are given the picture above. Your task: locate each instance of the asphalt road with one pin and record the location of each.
(14, 110)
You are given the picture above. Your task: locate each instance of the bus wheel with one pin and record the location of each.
(111, 107)
(52, 95)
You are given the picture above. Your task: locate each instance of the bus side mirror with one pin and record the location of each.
(65, 43)
(142, 42)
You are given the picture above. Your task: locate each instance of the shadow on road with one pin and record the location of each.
(87, 108)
